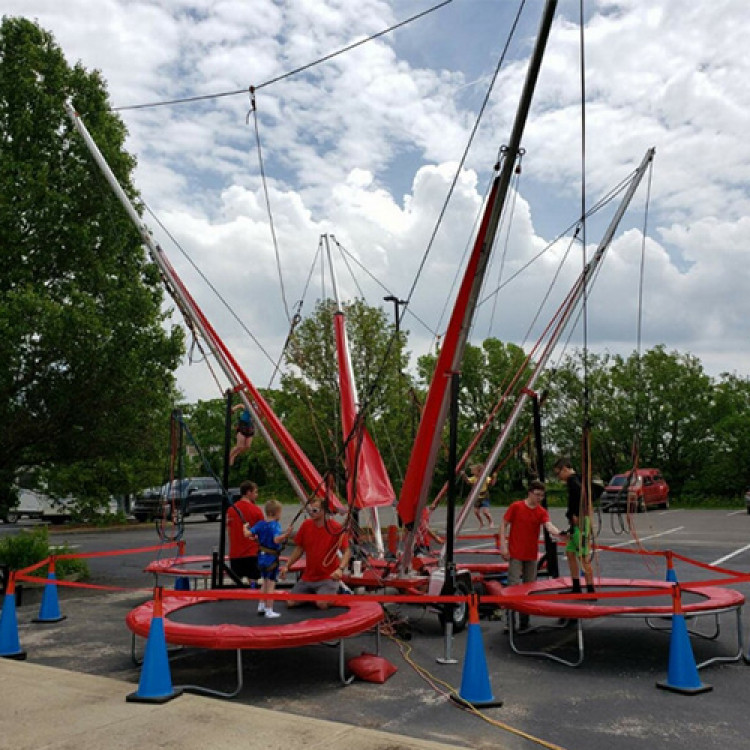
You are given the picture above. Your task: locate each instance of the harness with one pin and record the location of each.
(276, 553)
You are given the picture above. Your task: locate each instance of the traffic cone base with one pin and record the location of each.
(682, 673)
(136, 698)
(10, 646)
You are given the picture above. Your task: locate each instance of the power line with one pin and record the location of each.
(325, 58)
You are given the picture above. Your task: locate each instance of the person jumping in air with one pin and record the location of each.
(270, 538)
(245, 429)
(482, 503)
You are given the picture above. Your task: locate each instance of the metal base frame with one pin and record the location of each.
(201, 690)
(649, 622)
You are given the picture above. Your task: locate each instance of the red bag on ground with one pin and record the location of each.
(371, 667)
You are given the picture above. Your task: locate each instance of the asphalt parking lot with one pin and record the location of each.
(610, 700)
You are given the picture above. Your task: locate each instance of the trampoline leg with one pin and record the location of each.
(734, 657)
(547, 654)
(342, 665)
(200, 690)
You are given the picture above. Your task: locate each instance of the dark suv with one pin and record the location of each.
(192, 496)
(647, 489)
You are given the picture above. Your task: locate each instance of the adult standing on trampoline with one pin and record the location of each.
(520, 545)
(243, 552)
(577, 550)
(325, 546)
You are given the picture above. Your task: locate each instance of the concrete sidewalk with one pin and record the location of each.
(44, 707)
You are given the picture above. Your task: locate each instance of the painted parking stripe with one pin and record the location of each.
(731, 555)
(644, 538)
(736, 512)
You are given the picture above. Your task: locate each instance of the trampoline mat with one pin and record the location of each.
(245, 614)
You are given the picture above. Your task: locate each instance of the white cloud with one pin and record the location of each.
(365, 146)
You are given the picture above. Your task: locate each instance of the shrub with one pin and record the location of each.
(29, 547)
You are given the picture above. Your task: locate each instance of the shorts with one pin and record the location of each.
(577, 544)
(270, 574)
(245, 567)
(269, 568)
(248, 430)
(482, 502)
(326, 586)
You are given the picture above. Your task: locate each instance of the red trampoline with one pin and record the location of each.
(196, 567)
(620, 598)
(232, 623)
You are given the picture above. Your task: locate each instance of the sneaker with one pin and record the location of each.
(270, 613)
(261, 610)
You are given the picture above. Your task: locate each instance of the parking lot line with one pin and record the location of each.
(644, 538)
(731, 555)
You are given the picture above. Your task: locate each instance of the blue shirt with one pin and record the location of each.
(266, 531)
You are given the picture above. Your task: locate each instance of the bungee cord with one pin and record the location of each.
(264, 182)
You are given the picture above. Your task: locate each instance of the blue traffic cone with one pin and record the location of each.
(10, 646)
(155, 684)
(475, 680)
(682, 674)
(49, 611)
(671, 575)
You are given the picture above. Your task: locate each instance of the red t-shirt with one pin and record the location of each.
(525, 523)
(320, 544)
(239, 544)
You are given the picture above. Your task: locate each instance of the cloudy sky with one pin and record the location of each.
(366, 145)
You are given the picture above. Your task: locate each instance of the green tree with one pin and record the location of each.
(491, 376)
(87, 363)
(659, 403)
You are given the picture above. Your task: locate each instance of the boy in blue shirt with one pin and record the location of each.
(270, 538)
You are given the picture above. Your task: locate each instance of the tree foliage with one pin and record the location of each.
(309, 398)
(87, 361)
(659, 409)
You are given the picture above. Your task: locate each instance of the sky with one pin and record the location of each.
(366, 145)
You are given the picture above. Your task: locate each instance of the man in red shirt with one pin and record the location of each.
(243, 552)
(325, 546)
(520, 546)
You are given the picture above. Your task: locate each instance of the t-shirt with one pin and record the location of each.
(525, 523)
(574, 497)
(239, 544)
(266, 531)
(485, 491)
(321, 544)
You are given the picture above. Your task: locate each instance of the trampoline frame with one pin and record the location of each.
(173, 638)
(689, 612)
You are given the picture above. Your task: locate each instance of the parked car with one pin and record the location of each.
(29, 506)
(647, 489)
(34, 504)
(192, 496)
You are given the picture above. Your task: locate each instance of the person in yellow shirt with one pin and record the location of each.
(482, 503)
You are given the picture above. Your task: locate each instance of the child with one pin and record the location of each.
(244, 430)
(270, 537)
(482, 502)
